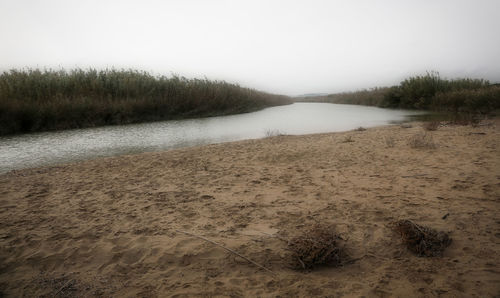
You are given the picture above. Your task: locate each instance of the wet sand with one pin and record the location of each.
(109, 227)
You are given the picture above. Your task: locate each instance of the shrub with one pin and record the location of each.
(431, 125)
(317, 246)
(348, 139)
(421, 240)
(422, 140)
(274, 133)
(390, 142)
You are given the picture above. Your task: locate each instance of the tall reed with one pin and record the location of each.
(418, 92)
(37, 100)
(484, 100)
(428, 92)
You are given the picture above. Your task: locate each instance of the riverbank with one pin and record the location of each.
(46, 149)
(110, 226)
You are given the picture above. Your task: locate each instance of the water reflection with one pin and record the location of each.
(49, 148)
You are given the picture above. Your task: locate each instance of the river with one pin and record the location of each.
(50, 148)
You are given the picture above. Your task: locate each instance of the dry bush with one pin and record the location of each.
(422, 140)
(390, 142)
(348, 139)
(274, 133)
(361, 128)
(431, 125)
(317, 246)
(466, 119)
(423, 241)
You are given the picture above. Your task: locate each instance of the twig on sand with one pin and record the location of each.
(228, 249)
(277, 237)
(63, 287)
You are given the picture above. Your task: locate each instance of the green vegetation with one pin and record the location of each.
(373, 97)
(428, 92)
(34, 100)
(419, 92)
(484, 100)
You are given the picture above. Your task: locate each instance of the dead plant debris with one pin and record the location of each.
(228, 249)
(423, 241)
(422, 140)
(319, 245)
(432, 125)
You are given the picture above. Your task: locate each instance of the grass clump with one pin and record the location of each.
(431, 125)
(390, 142)
(348, 139)
(422, 140)
(318, 246)
(422, 241)
(274, 133)
(35, 100)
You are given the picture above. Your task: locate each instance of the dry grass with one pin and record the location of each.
(423, 241)
(347, 139)
(466, 119)
(274, 133)
(422, 140)
(316, 247)
(36, 100)
(477, 100)
(390, 142)
(431, 125)
(429, 91)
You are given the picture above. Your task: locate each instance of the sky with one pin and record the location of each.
(286, 47)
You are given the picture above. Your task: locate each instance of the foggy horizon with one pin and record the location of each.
(283, 47)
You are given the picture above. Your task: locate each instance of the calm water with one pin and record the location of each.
(40, 149)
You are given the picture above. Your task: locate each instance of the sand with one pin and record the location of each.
(108, 227)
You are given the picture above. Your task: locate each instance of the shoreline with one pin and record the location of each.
(46, 149)
(97, 158)
(173, 118)
(108, 226)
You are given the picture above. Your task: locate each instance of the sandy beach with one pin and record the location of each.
(110, 227)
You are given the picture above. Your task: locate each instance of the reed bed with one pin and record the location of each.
(426, 92)
(39, 100)
(484, 100)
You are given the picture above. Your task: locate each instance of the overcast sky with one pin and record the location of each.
(287, 47)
